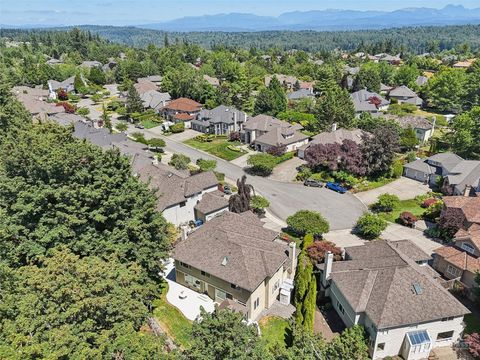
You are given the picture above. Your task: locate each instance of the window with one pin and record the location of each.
(220, 295)
(468, 248)
(205, 274)
(340, 307)
(452, 270)
(381, 346)
(256, 303)
(447, 318)
(182, 204)
(446, 335)
(229, 296)
(233, 286)
(275, 286)
(184, 265)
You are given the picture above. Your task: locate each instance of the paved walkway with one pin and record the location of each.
(192, 300)
(287, 171)
(185, 135)
(404, 188)
(279, 310)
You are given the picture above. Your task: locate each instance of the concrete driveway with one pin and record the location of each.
(287, 171)
(192, 300)
(404, 188)
(184, 136)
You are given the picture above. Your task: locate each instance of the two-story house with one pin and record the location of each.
(388, 288)
(404, 95)
(182, 110)
(221, 120)
(237, 262)
(369, 102)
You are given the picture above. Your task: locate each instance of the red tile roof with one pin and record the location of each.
(184, 104)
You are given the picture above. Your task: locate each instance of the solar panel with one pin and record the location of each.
(419, 337)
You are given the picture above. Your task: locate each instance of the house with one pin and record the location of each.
(212, 204)
(460, 261)
(427, 170)
(463, 64)
(155, 100)
(336, 136)
(34, 101)
(182, 110)
(388, 288)
(421, 80)
(265, 131)
(236, 262)
(91, 64)
(156, 79)
(221, 120)
(286, 80)
(177, 193)
(423, 128)
(300, 94)
(366, 101)
(110, 65)
(391, 59)
(385, 89)
(67, 85)
(404, 95)
(211, 80)
(53, 61)
(144, 86)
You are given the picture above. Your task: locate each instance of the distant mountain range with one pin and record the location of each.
(323, 20)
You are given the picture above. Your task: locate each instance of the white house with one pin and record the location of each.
(177, 193)
(388, 288)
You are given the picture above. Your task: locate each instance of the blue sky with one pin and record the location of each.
(122, 12)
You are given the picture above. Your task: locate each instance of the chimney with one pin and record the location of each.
(327, 268)
(292, 254)
(184, 232)
(155, 160)
(334, 127)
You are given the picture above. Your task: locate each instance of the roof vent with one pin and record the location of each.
(225, 261)
(170, 175)
(417, 289)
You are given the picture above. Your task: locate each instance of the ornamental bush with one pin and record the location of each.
(386, 203)
(177, 128)
(370, 226)
(407, 219)
(308, 222)
(319, 249)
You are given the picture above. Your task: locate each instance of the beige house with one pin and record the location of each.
(388, 288)
(236, 262)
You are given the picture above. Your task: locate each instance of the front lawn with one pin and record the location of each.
(149, 123)
(372, 184)
(172, 321)
(274, 331)
(411, 205)
(472, 322)
(218, 146)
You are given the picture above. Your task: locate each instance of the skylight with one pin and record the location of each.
(417, 289)
(418, 337)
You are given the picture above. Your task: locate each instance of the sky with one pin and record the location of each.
(122, 12)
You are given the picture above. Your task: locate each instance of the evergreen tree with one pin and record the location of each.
(305, 293)
(409, 138)
(79, 84)
(335, 106)
(97, 76)
(107, 122)
(134, 102)
(272, 99)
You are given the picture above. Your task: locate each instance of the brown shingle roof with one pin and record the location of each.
(183, 104)
(459, 258)
(144, 86)
(247, 250)
(211, 202)
(470, 206)
(472, 233)
(184, 117)
(379, 281)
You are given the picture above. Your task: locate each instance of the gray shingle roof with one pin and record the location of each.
(222, 114)
(420, 165)
(300, 94)
(416, 122)
(250, 250)
(402, 91)
(379, 281)
(447, 160)
(466, 173)
(361, 101)
(281, 136)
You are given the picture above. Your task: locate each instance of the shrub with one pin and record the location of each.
(411, 156)
(428, 202)
(234, 148)
(179, 161)
(308, 222)
(69, 108)
(407, 219)
(396, 170)
(62, 94)
(234, 136)
(97, 98)
(473, 342)
(177, 128)
(386, 203)
(307, 241)
(345, 178)
(121, 126)
(156, 144)
(261, 164)
(304, 173)
(206, 165)
(277, 150)
(433, 212)
(139, 137)
(83, 111)
(319, 249)
(370, 226)
(220, 176)
(259, 204)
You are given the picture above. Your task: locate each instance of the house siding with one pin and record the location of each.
(348, 316)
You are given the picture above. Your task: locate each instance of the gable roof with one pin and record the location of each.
(338, 136)
(420, 165)
(469, 206)
(222, 114)
(379, 281)
(472, 234)
(300, 94)
(267, 123)
(402, 91)
(281, 136)
(155, 99)
(361, 100)
(247, 250)
(211, 202)
(447, 160)
(416, 122)
(211, 80)
(183, 104)
(466, 173)
(458, 258)
(144, 86)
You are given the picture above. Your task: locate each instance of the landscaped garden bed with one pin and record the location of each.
(217, 145)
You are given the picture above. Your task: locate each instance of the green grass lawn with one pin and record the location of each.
(404, 205)
(149, 123)
(370, 185)
(473, 323)
(172, 320)
(217, 147)
(274, 331)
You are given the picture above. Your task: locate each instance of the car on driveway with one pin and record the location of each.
(139, 126)
(336, 187)
(313, 183)
(227, 190)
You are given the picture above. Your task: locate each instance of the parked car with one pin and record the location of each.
(336, 187)
(227, 190)
(313, 183)
(139, 126)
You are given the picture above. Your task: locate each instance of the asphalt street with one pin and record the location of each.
(341, 210)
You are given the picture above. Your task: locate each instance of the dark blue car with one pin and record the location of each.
(336, 187)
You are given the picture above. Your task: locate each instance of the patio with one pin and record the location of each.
(184, 299)
(327, 323)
